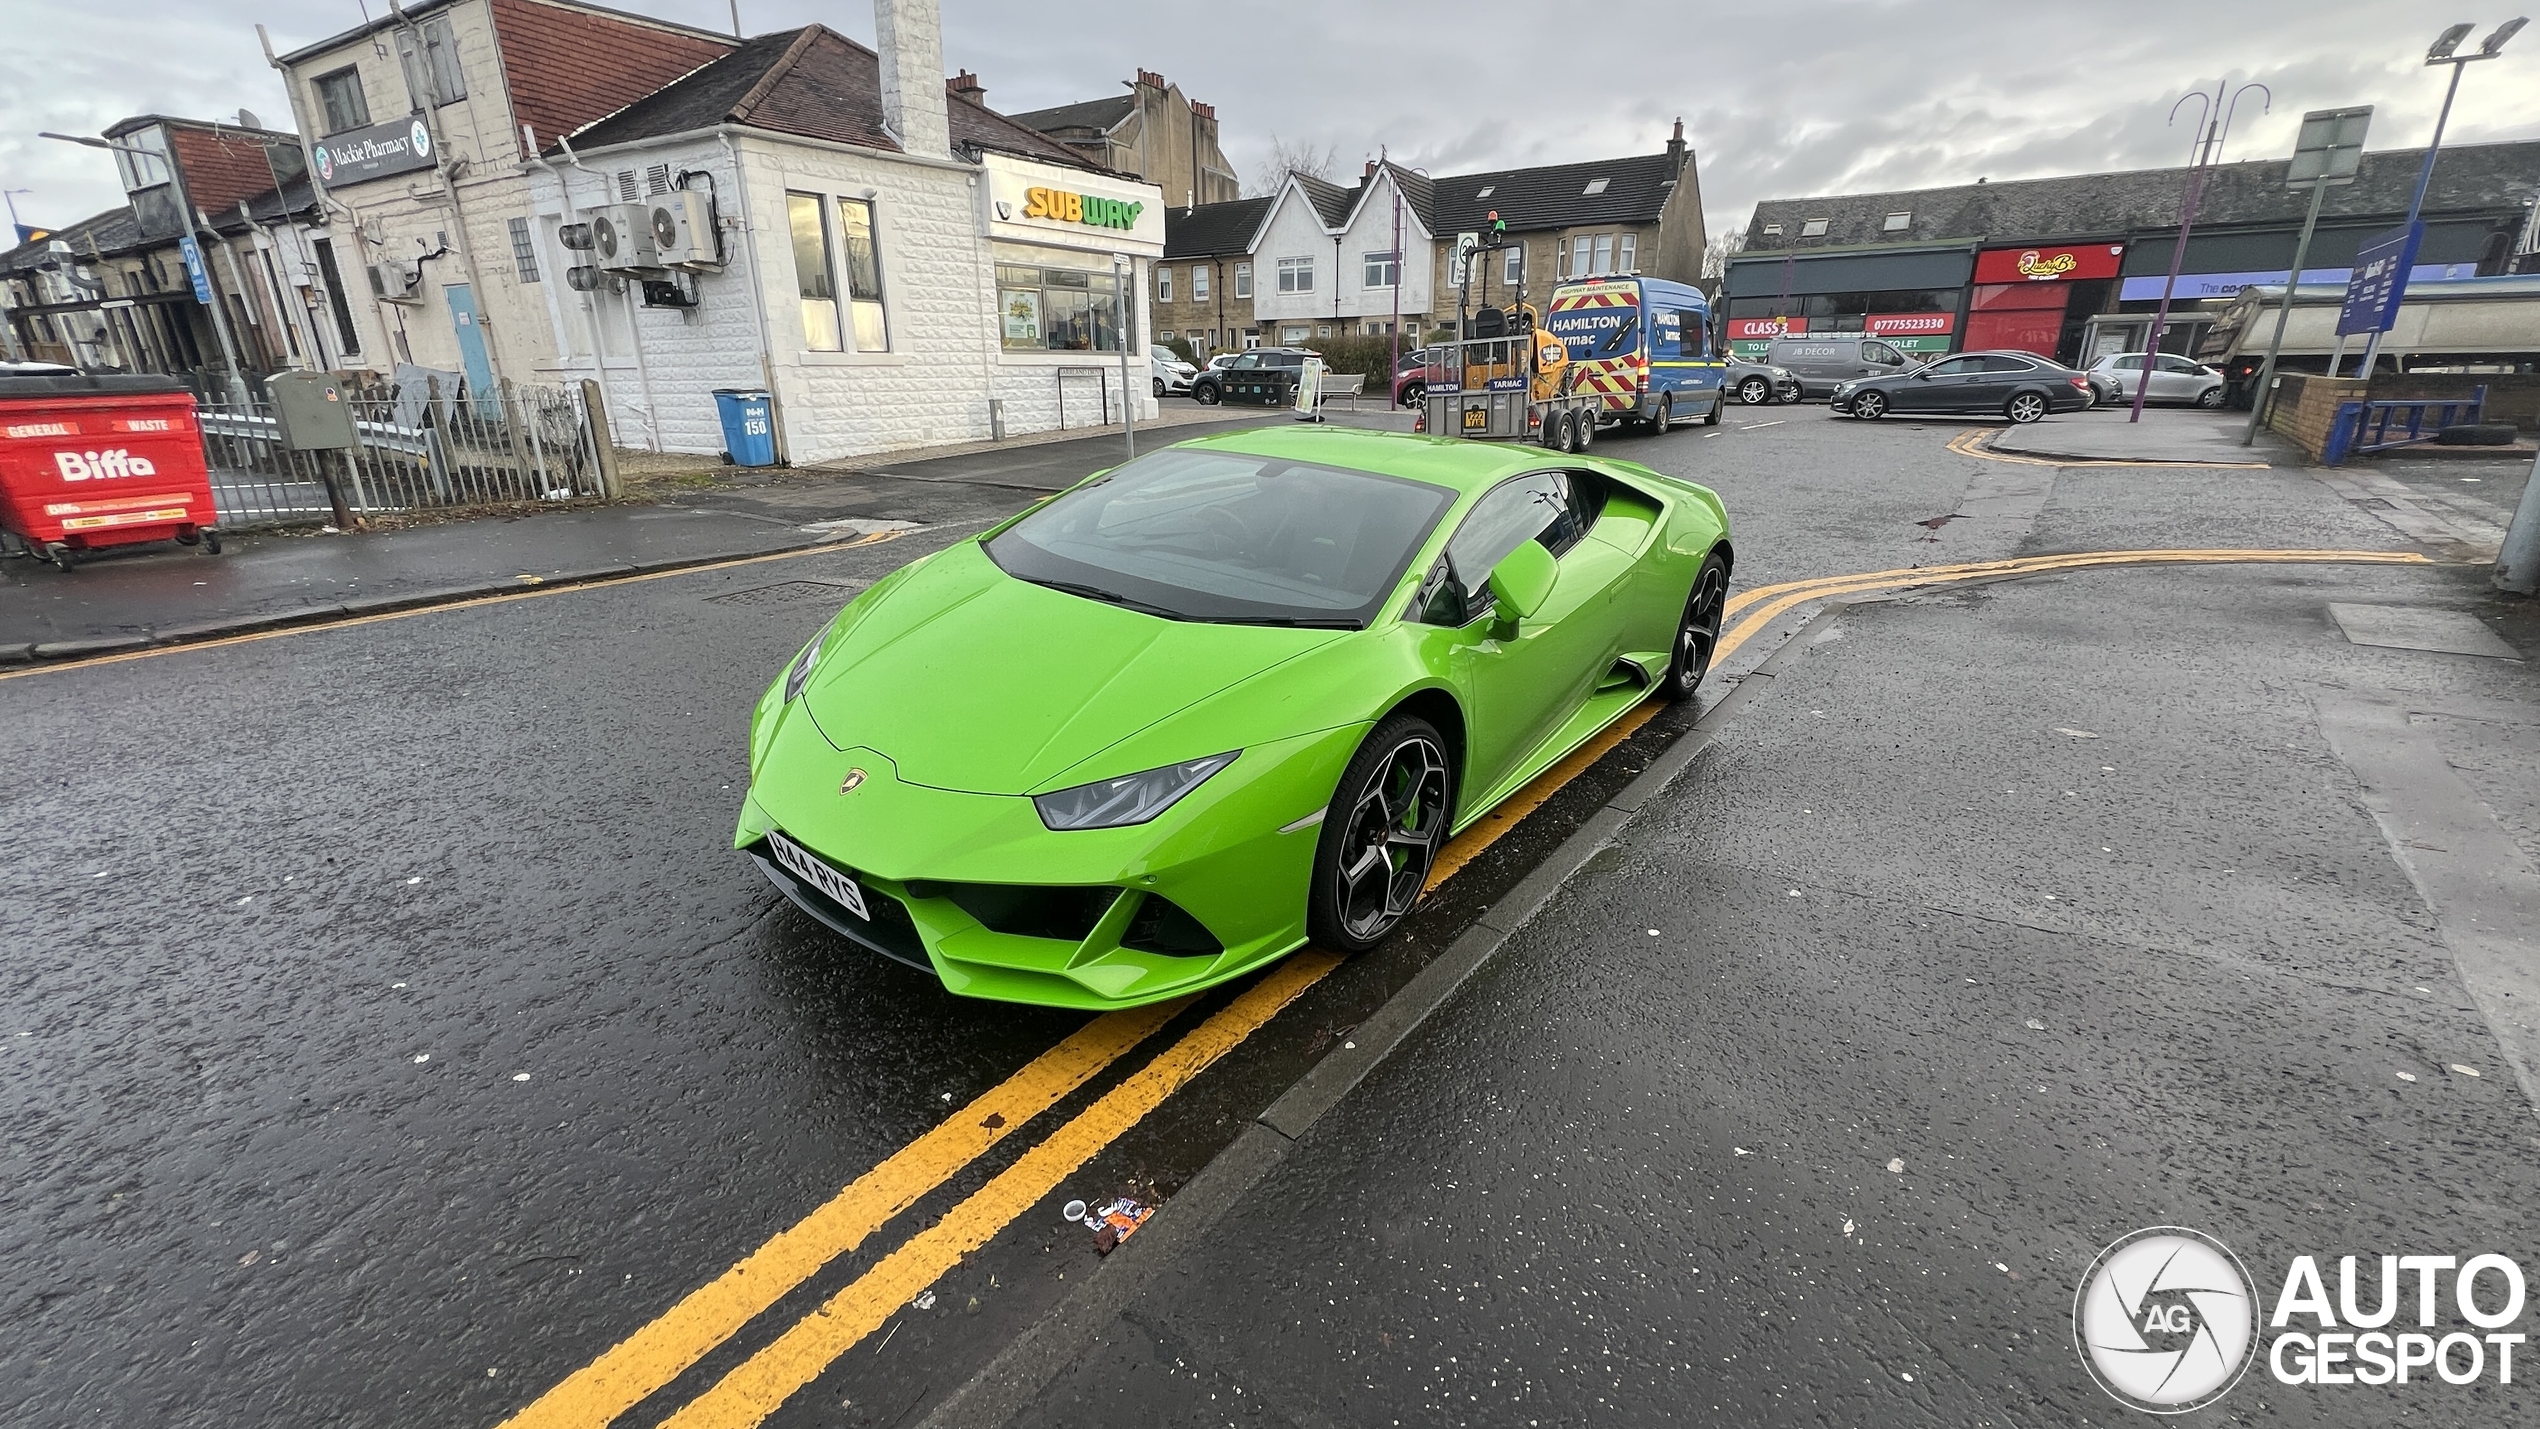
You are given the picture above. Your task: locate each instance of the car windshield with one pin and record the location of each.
(1228, 537)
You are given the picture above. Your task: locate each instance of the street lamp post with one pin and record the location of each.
(2441, 53)
(191, 223)
(2201, 156)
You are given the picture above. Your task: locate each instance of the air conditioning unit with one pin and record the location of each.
(397, 282)
(623, 238)
(683, 229)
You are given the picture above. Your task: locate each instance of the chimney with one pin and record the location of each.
(910, 36)
(966, 85)
(1370, 175)
(1150, 79)
(1676, 150)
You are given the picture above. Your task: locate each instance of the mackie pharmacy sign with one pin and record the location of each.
(2045, 264)
(374, 151)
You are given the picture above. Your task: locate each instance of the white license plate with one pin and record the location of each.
(801, 863)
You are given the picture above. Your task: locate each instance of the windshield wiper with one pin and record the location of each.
(1297, 622)
(1107, 597)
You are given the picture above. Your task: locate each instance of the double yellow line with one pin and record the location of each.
(1978, 442)
(651, 1358)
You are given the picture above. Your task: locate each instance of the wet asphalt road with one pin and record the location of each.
(254, 1178)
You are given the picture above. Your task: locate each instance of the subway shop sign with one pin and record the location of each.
(1052, 205)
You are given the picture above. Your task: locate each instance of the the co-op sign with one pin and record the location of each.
(374, 151)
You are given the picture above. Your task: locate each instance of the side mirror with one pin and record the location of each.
(1922, 372)
(1521, 582)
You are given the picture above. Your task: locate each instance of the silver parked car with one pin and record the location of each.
(1172, 374)
(2174, 379)
(1756, 383)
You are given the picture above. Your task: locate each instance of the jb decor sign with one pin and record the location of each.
(1072, 208)
(2044, 264)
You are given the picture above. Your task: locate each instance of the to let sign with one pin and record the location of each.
(374, 151)
(2380, 280)
(2048, 264)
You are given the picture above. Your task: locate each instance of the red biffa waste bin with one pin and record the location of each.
(89, 462)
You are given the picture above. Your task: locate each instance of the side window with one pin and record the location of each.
(2008, 364)
(1696, 342)
(1957, 367)
(2177, 364)
(1512, 514)
(1882, 354)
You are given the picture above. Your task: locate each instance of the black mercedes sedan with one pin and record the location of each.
(2021, 386)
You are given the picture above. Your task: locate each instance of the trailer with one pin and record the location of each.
(2470, 325)
(1504, 377)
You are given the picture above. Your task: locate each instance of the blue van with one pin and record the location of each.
(1642, 344)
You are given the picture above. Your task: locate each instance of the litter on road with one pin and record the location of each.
(2464, 1071)
(1896, 1164)
(1111, 1225)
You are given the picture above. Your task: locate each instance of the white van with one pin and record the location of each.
(1822, 363)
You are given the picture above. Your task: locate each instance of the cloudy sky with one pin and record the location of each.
(1781, 99)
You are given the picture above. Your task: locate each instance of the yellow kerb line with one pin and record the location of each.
(754, 1390)
(1978, 442)
(470, 603)
(658, 1353)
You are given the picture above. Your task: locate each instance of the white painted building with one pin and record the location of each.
(897, 265)
(1327, 261)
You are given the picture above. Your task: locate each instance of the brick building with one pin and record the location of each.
(1154, 132)
(1204, 283)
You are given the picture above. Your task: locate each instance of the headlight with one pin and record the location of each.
(1130, 799)
(798, 674)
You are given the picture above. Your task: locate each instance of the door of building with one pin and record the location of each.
(472, 359)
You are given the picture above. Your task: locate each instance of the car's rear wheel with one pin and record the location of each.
(1698, 633)
(1556, 431)
(1381, 835)
(1205, 393)
(2025, 408)
(1665, 421)
(1871, 405)
(2211, 397)
(1755, 391)
(1413, 394)
(1583, 435)
(1719, 404)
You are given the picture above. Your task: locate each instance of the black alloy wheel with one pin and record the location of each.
(1698, 634)
(2025, 408)
(1869, 405)
(1206, 394)
(1755, 391)
(1665, 421)
(1414, 393)
(1381, 835)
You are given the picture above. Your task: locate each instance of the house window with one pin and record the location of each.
(1604, 253)
(1047, 309)
(1512, 266)
(1594, 187)
(1814, 228)
(1292, 334)
(1296, 275)
(1897, 222)
(813, 285)
(441, 61)
(524, 253)
(348, 336)
(1243, 280)
(1624, 248)
(1164, 285)
(864, 275)
(340, 100)
(139, 170)
(1579, 257)
(1199, 282)
(1383, 270)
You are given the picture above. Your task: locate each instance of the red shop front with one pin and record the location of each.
(2037, 298)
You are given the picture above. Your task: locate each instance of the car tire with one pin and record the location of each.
(1556, 431)
(211, 542)
(1582, 432)
(1755, 391)
(1719, 404)
(1206, 394)
(2024, 408)
(2211, 399)
(1697, 632)
(1159, 387)
(1381, 835)
(1869, 406)
(1665, 421)
(1415, 394)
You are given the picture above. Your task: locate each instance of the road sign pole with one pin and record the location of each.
(2259, 403)
(2518, 561)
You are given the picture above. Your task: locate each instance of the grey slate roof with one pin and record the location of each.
(1210, 229)
(112, 232)
(812, 82)
(1098, 114)
(1554, 196)
(2467, 178)
(1331, 202)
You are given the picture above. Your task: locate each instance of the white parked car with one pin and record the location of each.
(2174, 379)
(1172, 374)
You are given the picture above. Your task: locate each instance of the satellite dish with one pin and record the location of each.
(247, 120)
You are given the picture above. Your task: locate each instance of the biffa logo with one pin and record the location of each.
(100, 466)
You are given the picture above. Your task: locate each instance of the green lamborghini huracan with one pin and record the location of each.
(1217, 702)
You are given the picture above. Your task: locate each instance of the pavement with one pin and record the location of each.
(392, 1030)
(2168, 434)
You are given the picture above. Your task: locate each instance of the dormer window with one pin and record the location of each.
(1814, 228)
(1594, 187)
(1772, 230)
(1898, 222)
(1487, 191)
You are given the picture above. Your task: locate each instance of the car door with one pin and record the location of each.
(2177, 380)
(2128, 371)
(1940, 387)
(1999, 377)
(1519, 688)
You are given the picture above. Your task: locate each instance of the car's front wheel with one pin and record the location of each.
(1698, 633)
(1755, 391)
(2025, 408)
(1870, 405)
(1159, 387)
(1381, 836)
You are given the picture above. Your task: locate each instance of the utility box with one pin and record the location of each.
(313, 412)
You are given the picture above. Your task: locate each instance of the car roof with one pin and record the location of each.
(1465, 466)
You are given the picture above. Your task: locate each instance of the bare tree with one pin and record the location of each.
(1717, 253)
(1285, 159)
